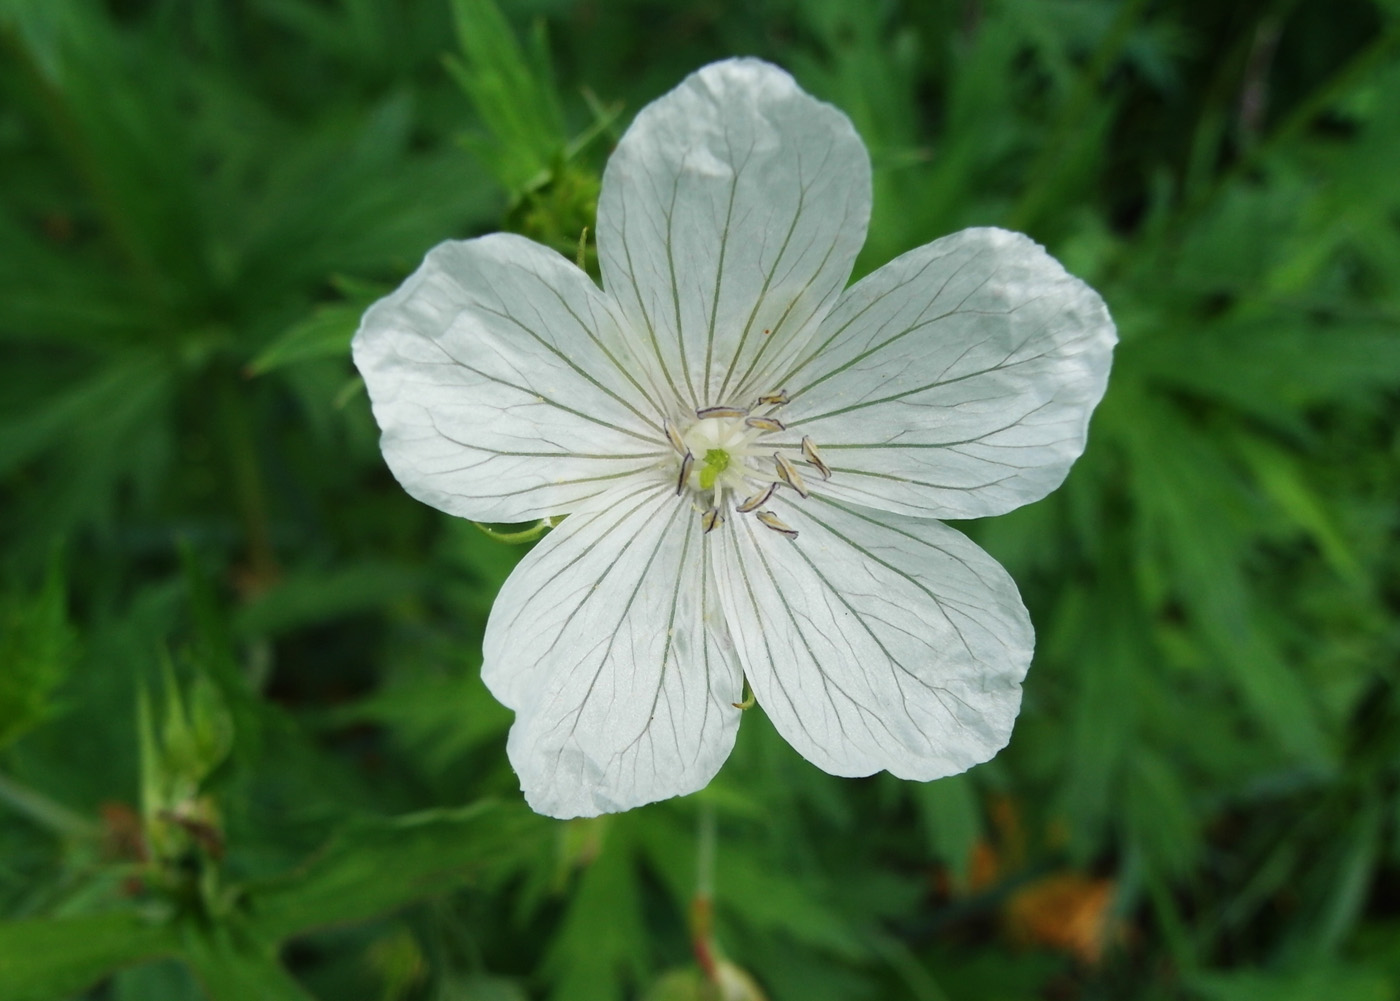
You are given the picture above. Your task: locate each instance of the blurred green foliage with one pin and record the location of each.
(244, 751)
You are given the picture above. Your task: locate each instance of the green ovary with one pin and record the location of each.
(716, 462)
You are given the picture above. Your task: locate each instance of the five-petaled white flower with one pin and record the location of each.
(751, 455)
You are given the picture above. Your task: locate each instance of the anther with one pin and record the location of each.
(765, 423)
(687, 464)
(677, 442)
(711, 520)
(705, 413)
(757, 500)
(776, 524)
(789, 474)
(810, 453)
(777, 399)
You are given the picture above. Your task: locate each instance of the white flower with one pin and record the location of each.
(750, 454)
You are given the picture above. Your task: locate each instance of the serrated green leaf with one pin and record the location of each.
(1282, 476)
(1196, 521)
(513, 94)
(38, 646)
(374, 866)
(441, 719)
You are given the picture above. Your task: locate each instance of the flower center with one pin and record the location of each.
(741, 466)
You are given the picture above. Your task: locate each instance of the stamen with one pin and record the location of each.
(757, 500)
(789, 474)
(765, 423)
(776, 524)
(687, 464)
(677, 442)
(711, 520)
(705, 413)
(777, 399)
(810, 453)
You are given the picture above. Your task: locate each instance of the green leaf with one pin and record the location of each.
(44, 960)
(166, 980)
(374, 866)
(1333, 982)
(1197, 522)
(513, 94)
(233, 969)
(482, 988)
(1283, 477)
(1273, 366)
(952, 818)
(441, 719)
(213, 658)
(1353, 882)
(310, 597)
(38, 646)
(600, 946)
(1158, 815)
(1108, 655)
(326, 333)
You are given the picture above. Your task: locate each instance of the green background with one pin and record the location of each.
(245, 752)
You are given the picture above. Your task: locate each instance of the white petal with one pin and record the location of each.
(608, 642)
(874, 641)
(502, 383)
(957, 381)
(730, 215)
